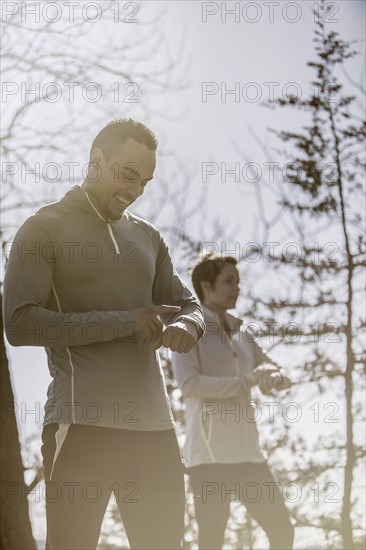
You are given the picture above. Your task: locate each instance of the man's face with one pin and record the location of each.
(122, 177)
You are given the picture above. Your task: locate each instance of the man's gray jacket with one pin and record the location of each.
(71, 280)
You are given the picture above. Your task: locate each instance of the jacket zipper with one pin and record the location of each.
(233, 350)
(115, 243)
(207, 439)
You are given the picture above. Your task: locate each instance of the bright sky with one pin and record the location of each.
(254, 56)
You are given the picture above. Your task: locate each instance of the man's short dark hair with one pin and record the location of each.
(207, 270)
(118, 131)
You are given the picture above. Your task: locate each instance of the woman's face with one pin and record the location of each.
(225, 291)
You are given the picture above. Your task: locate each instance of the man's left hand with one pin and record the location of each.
(180, 336)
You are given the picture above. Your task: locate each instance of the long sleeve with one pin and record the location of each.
(28, 291)
(169, 289)
(192, 383)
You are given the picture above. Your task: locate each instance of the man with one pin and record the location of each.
(90, 281)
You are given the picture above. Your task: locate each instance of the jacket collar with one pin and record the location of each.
(77, 195)
(234, 323)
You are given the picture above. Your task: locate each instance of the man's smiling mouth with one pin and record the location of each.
(122, 200)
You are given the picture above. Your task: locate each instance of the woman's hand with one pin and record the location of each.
(266, 368)
(268, 377)
(268, 382)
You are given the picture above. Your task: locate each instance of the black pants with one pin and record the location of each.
(215, 485)
(143, 469)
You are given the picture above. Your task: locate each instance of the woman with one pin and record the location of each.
(221, 450)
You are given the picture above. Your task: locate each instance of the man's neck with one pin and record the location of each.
(92, 196)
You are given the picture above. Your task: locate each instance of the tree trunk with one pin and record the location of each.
(347, 529)
(16, 531)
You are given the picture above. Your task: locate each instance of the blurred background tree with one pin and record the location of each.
(314, 302)
(314, 197)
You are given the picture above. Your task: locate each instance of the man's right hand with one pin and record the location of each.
(147, 321)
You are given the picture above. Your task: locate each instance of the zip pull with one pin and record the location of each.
(113, 239)
(115, 243)
(229, 341)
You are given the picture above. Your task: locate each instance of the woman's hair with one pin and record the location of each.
(117, 131)
(208, 269)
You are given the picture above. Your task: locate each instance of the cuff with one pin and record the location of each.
(186, 319)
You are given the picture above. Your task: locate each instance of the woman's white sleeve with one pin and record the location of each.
(192, 383)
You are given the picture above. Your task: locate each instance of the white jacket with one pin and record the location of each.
(215, 378)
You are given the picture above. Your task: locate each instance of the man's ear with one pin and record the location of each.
(95, 167)
(96, 156)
